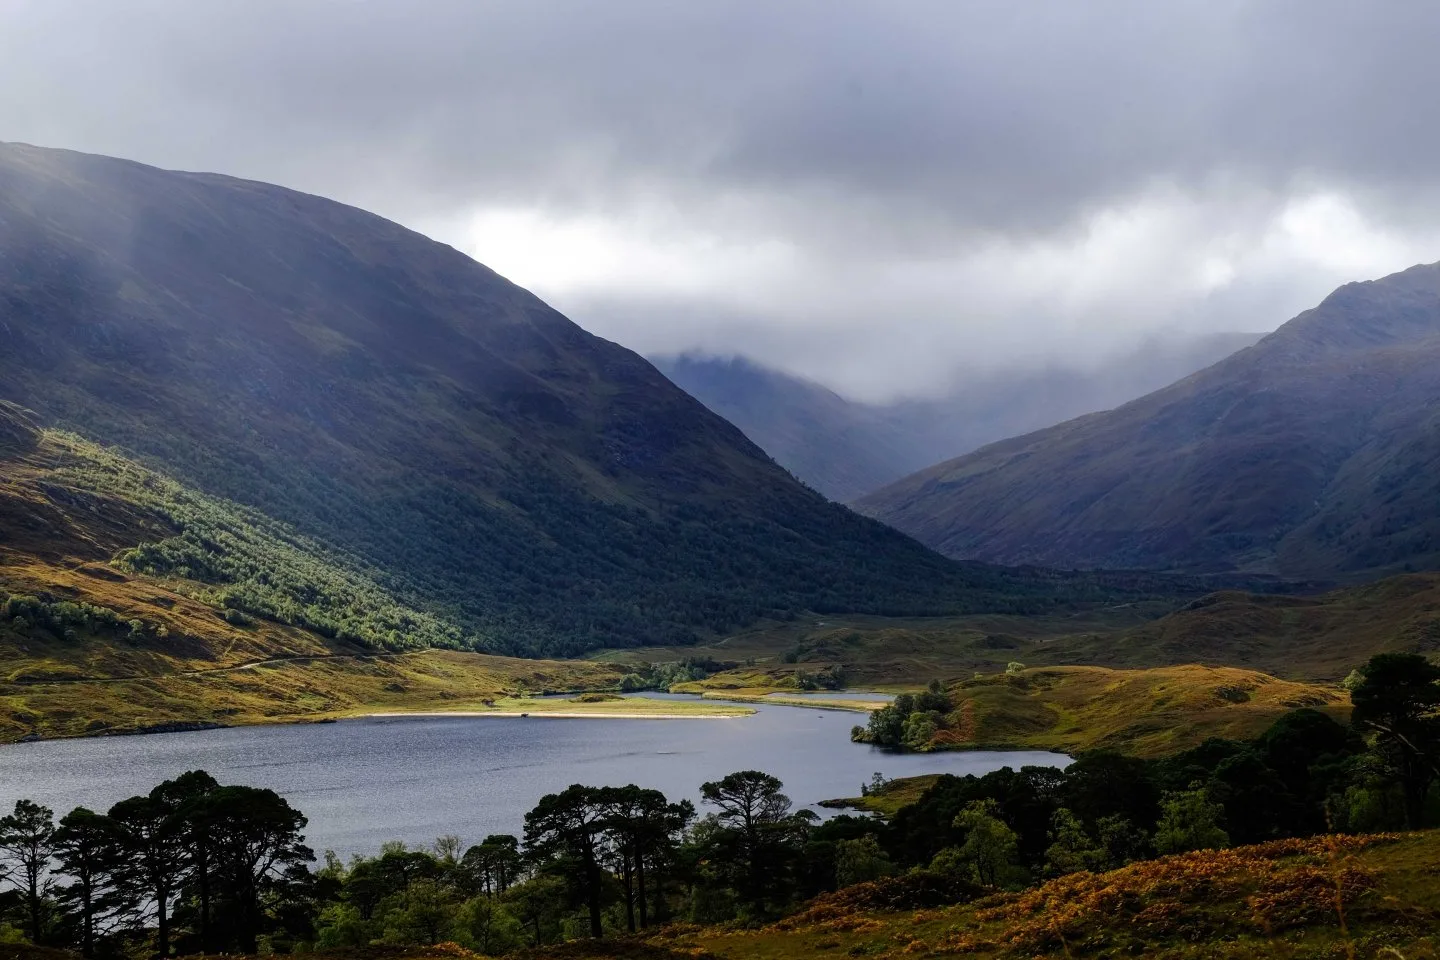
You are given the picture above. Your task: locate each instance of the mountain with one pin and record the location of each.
(840, 447)
(846, 448)
(301, 412)
(1314, 454)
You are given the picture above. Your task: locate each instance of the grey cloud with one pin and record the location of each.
(857, 132)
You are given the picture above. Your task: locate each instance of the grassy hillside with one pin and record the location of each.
(1327, 897)
(1310, 455)
(1319, 638)
(493, 475)
(250, 624)
(1147, 713)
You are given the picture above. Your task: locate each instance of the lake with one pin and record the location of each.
(362, 782)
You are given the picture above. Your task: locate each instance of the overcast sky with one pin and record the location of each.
(878, 195)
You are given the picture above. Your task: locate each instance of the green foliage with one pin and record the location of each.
(1397, 701)
(909, 722)
(1072, 849)
(24, 613)
(253, 565)
(860, 860)
(991, 849)
(1189, 820)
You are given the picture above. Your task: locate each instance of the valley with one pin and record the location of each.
(336, 513)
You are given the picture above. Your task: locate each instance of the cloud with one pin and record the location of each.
(875, 195)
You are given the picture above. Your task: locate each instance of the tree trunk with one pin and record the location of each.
(87, 918)
(640, 884)
(592, 870)
(204, 906)
(35, 930)
(627, 877)
(162, 926)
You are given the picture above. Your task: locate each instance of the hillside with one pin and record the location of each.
(1301, 637)
(1344, 896)
(484, 472)
(845, 448)
(840, 447)
(1147, 713)
(1314, 454)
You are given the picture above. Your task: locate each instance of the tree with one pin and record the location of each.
(153, 858)
(184, 795)
(1257, 804)
(859, 860)
(756, 832)
(1397, 700)
(490, 928)
(447, 849)
(424, 914)
(1121, 840)
(569, 826)
(1104, 783)
(1071, 848)
(87, 850)
(491, 866)
(26, 842)
(991, 848)
(257, 839)
(918, 731)
(1189, 820)
(538, 903)
(641, 827)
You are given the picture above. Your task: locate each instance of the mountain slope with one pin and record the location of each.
(420, 423)
(846, 449)
(1314, 454)
(840, 447)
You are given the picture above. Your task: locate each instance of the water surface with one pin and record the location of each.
(362, 782)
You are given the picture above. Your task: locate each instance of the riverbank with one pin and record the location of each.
(790, 699)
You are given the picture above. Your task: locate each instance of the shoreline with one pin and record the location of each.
(553, 715)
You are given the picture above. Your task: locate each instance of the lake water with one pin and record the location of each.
(362, 782)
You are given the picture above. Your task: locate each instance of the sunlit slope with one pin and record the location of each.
(1322, 897)
(91, 644)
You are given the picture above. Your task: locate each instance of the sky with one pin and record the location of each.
(882, 196)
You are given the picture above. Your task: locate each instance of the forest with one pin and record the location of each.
(195, 866)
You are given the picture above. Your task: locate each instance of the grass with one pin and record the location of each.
(1300, 637)
(1284, 899)
(585, 706)
(1148, 713)
(894, 796)
(888, 653)
(292, 691)
(788, 698)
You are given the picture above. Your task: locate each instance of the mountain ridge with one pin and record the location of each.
(1304, 456)
(846, 448)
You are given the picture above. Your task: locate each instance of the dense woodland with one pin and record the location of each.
(195, 866)
(557, 602)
